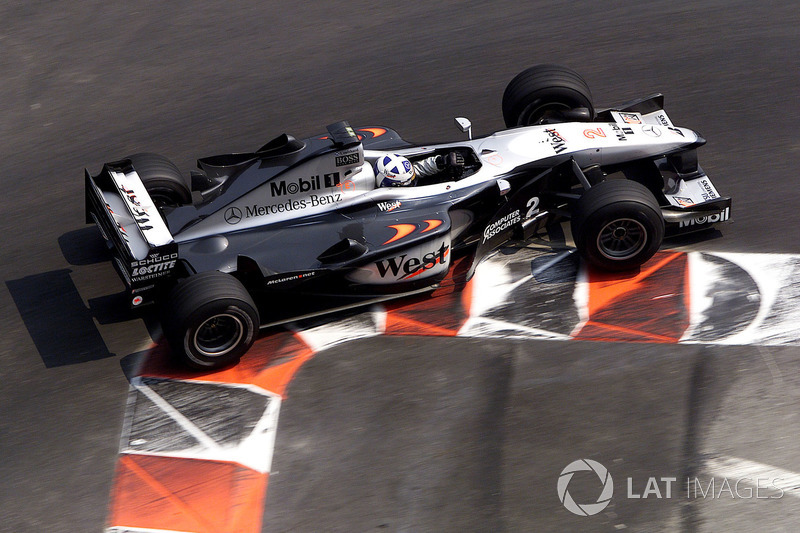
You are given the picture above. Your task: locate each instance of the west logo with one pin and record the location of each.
(556, 141)
(408, 267)
(140, 215)
(389, 206)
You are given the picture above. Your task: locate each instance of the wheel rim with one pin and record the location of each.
(163, 197)
(622, 239)
(218, 335)
(534, 113)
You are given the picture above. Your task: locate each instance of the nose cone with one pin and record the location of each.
(700, 139)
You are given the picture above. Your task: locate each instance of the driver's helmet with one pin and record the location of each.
(394, 171)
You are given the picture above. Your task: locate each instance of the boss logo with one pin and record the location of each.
(347, 159)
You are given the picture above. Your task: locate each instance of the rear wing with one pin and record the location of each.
(117, 201)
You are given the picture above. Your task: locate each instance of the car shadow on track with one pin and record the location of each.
(84, 247)
(62, 326)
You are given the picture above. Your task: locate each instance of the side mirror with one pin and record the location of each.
(504, 186)
(464, 125)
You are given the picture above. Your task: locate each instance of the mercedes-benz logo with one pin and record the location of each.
(233, 215)
(652, 131)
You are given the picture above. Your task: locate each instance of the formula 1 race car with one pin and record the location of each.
(303, 227)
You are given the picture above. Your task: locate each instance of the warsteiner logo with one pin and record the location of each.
(409, 267)
(314, 183)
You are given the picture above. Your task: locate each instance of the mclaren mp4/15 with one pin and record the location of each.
(306, 226)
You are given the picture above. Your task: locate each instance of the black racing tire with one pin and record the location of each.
(162, 180)
(210, 320)
(617, 225)
(542, 88)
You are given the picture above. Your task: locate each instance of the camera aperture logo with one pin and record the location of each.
(585, 509)
(727, 477)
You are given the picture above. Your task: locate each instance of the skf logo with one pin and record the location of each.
(409, 267)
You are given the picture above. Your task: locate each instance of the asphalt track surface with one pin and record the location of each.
(88, 82)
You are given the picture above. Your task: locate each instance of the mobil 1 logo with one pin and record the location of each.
(312, 183)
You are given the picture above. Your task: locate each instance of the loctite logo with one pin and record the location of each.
(314, 183)
(153, 266)
(409, 267)
(152, 269)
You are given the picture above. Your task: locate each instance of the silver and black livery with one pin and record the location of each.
(299, 227)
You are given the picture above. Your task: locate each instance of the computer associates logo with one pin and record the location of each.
(585, 509)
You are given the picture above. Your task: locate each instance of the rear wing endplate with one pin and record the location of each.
(117, 201)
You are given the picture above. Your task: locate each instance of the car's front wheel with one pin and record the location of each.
(617, 225)
(210, 320)
(546, 93)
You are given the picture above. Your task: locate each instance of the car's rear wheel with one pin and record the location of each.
(162, 180)
(210, 320)
(617, 225)
(545, 92)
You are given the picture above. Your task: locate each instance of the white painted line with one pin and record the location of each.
(553, 261)
(778, 319)
(771, 477)
(490, 287)
(126, 529)
(701, 276)
(489, 327)
(257, 449)
(173, 413)
(581, 297)
(326, 336)
(379, 315)
(777, 377)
